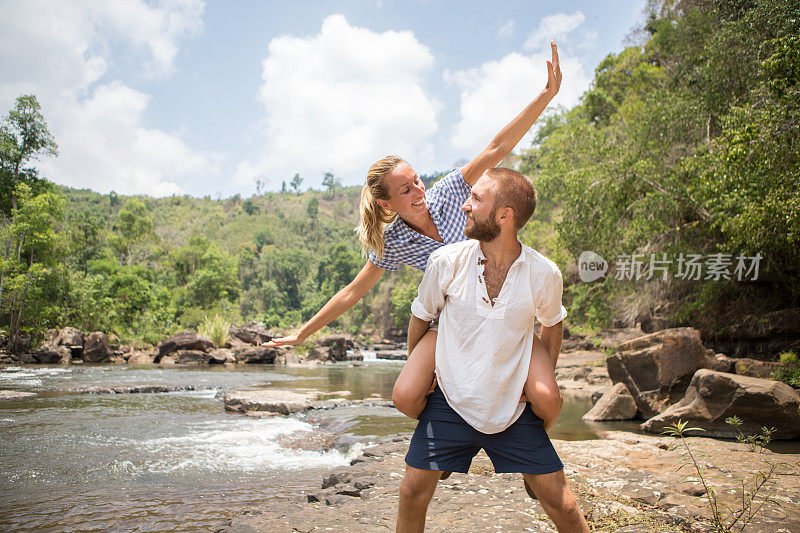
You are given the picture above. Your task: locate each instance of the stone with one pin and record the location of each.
(258, 355)
(657, 368)
(252, 333)
(70, 336)
(113, 340)
(50, 354)
(336, 478)
(192, 357)
(140, 358)
(221, 356)
(16, 395)
(51, 336)
(757, 369)
(320, 353)
(719, 362)
(713, 396)
(96, 348)
(616, 404)
(338, 346)
(273, 400)
(186, 340)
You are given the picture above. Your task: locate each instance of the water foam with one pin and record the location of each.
(241, 446)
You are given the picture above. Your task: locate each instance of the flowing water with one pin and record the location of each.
(177, 461)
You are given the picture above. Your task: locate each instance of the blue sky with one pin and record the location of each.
(204, 97)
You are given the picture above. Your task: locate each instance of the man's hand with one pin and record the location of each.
(553, 72)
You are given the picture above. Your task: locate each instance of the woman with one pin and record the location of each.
(419, 223)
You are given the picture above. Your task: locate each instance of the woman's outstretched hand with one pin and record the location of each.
(289, 340)
(553, 72)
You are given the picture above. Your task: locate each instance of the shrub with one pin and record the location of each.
(216, 329)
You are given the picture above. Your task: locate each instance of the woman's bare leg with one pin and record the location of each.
(412, 385)
(541, 387)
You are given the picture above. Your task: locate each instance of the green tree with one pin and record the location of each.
(312, 209)
(133, 227)
(24, 138)
(330, 182)
(296, 182)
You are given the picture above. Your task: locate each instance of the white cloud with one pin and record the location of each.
(60, 51)
(340, 100)
(495, 92)
(556, 27)
(506, 30)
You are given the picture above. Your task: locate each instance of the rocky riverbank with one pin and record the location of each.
(625, 483)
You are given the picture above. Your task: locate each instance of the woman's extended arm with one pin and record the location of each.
(507, 139)
(341, 302)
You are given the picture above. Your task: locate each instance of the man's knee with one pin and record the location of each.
(417, 488)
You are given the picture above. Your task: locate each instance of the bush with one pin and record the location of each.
(216, 329)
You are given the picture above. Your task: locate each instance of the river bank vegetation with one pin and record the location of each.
(686, 143)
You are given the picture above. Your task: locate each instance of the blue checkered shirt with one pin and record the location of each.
(404, 246)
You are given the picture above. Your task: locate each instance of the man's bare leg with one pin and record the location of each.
(559, 501)
(416, 491)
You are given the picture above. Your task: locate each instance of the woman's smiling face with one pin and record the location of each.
(406, 192)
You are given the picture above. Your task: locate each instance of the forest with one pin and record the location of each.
(685, 146)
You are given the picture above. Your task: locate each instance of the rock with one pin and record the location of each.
(714, 396)
(141, 358)
(719, 362)
(319, 354)
(657, 368)
(258, 355)
(113, 340)
(16, 395)
(96, 348)
(221, 356)
(336, 478)
(51, 336)
(70, 336)
(50, 354)
(757, 369)
(339, 345)
(616, 404)
(191, 357)
(186, 340)
(274, 400)
(252, 333)
(167, 360)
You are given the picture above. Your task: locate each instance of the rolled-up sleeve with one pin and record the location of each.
(431, 292)
(549, 310)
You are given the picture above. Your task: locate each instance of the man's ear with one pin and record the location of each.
(505, 215)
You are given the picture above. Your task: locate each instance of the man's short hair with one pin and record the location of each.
(513, 190)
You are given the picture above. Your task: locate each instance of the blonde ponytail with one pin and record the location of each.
(372, 215)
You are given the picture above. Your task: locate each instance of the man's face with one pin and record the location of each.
(480, 210)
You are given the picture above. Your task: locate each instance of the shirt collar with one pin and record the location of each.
(522, 258)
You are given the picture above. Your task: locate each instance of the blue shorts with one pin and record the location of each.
(444, 441)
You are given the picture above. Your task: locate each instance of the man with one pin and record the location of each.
(486, 293)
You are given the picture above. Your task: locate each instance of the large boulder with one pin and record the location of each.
(258, 355)
(50, 354)
(657, 368)
(96, 348)
(253, 333)
(186, 340)
(616, 404)
(70, 336)
(274, 401)
(757, 369)
(339, 345)
(713, 396)
(140, 358)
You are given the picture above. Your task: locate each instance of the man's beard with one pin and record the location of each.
(483, 230)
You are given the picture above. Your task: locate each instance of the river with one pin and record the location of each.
(177, 461)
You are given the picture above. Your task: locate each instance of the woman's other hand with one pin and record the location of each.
(553, 72)
(289, 340)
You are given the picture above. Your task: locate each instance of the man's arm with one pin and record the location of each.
(417, 328)
(551, 338)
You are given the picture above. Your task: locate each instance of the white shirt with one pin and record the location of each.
(482, 351)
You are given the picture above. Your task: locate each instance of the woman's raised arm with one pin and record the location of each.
(507, 139)
(341, 302)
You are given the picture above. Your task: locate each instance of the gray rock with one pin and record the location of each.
(616, 404)
(70, 336)
(141, 358)
(192, 357)
(51, 336)
(274, 400)
(96, 348)
(187, 340)
(757, 369)
(320, 353)
(657, 368)
(252, 333)
(221, 356)
(720, 362)
(16, 395)
(258, 355)
(714, 396)
(338, 346)
(50, 354)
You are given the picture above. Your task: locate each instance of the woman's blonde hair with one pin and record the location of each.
(373, 216)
